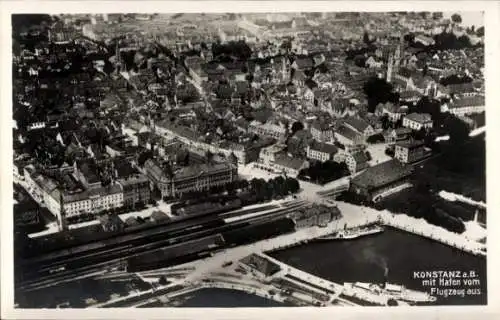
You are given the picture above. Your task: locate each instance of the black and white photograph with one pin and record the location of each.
(248, 159)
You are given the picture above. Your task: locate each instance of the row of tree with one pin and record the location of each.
(238, 49)
(416, 204)
(324, 172)
(255, 190)
(273, 188)
(379, 91)
(444, 123)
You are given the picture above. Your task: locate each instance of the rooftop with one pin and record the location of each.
(289, 162)
(410, 144)
(467, 102)
(323, 147)
(200, 170)
(348, 132)
(382, 174)
(419, 117)
(357, 124)
(261, 264)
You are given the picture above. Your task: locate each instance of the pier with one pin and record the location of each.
(419, 227)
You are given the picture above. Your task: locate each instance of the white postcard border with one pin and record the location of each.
(492, 70)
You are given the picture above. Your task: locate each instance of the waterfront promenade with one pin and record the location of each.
(419, 227)
(336, 291)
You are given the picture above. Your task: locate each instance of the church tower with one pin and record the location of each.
(390, 65)
(398, 54)
(118, 59)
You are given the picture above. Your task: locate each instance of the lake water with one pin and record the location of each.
(224, 298)
(365, 260)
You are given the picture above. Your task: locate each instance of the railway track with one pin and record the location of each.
(98, 262)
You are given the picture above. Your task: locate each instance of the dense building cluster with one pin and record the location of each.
(111, 109)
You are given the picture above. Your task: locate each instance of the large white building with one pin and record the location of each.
(467, 105)
(321, 151)
(410, 151)
(91, 200)
(356, 161)
(272, 130)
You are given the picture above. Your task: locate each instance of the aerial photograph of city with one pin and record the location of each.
(183, 160)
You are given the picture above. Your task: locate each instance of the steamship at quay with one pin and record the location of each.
(349, 234)
(392, 291)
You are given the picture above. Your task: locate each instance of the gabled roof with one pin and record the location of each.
(382, 174)
(320, 125)
(467, 102)
(323, 147)
(358, 124)
(410, 144)
(419, 117)
(289, 162)
(348, 133)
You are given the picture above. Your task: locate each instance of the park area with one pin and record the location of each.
(458, 169)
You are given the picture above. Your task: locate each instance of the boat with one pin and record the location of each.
(348, 234)
(391, 291)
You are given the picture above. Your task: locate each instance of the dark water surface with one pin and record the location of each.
(223, 298)
(365, 259)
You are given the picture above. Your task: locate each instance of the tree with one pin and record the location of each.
(378, 91)
(455, 79)
(183, 157)
(386, 123)
(375, 138)
(437, 15)
(456, 128)
(456, 18)
(366, 38)
(426, 105)
(278, 186)
(297, 126)
(425, 71)
(209, 156)
(392, 302)
(389, 150)
(410, 37)
(292, 185)
(143, 157)
(480, 32)
(419, 135)
(233, 159)
(360, 61)
(368, 155)
(162, 281)
(471, 29)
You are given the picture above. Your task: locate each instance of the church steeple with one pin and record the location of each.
(390, 66)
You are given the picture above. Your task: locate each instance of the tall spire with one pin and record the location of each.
(389, 68)
(117, 53)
